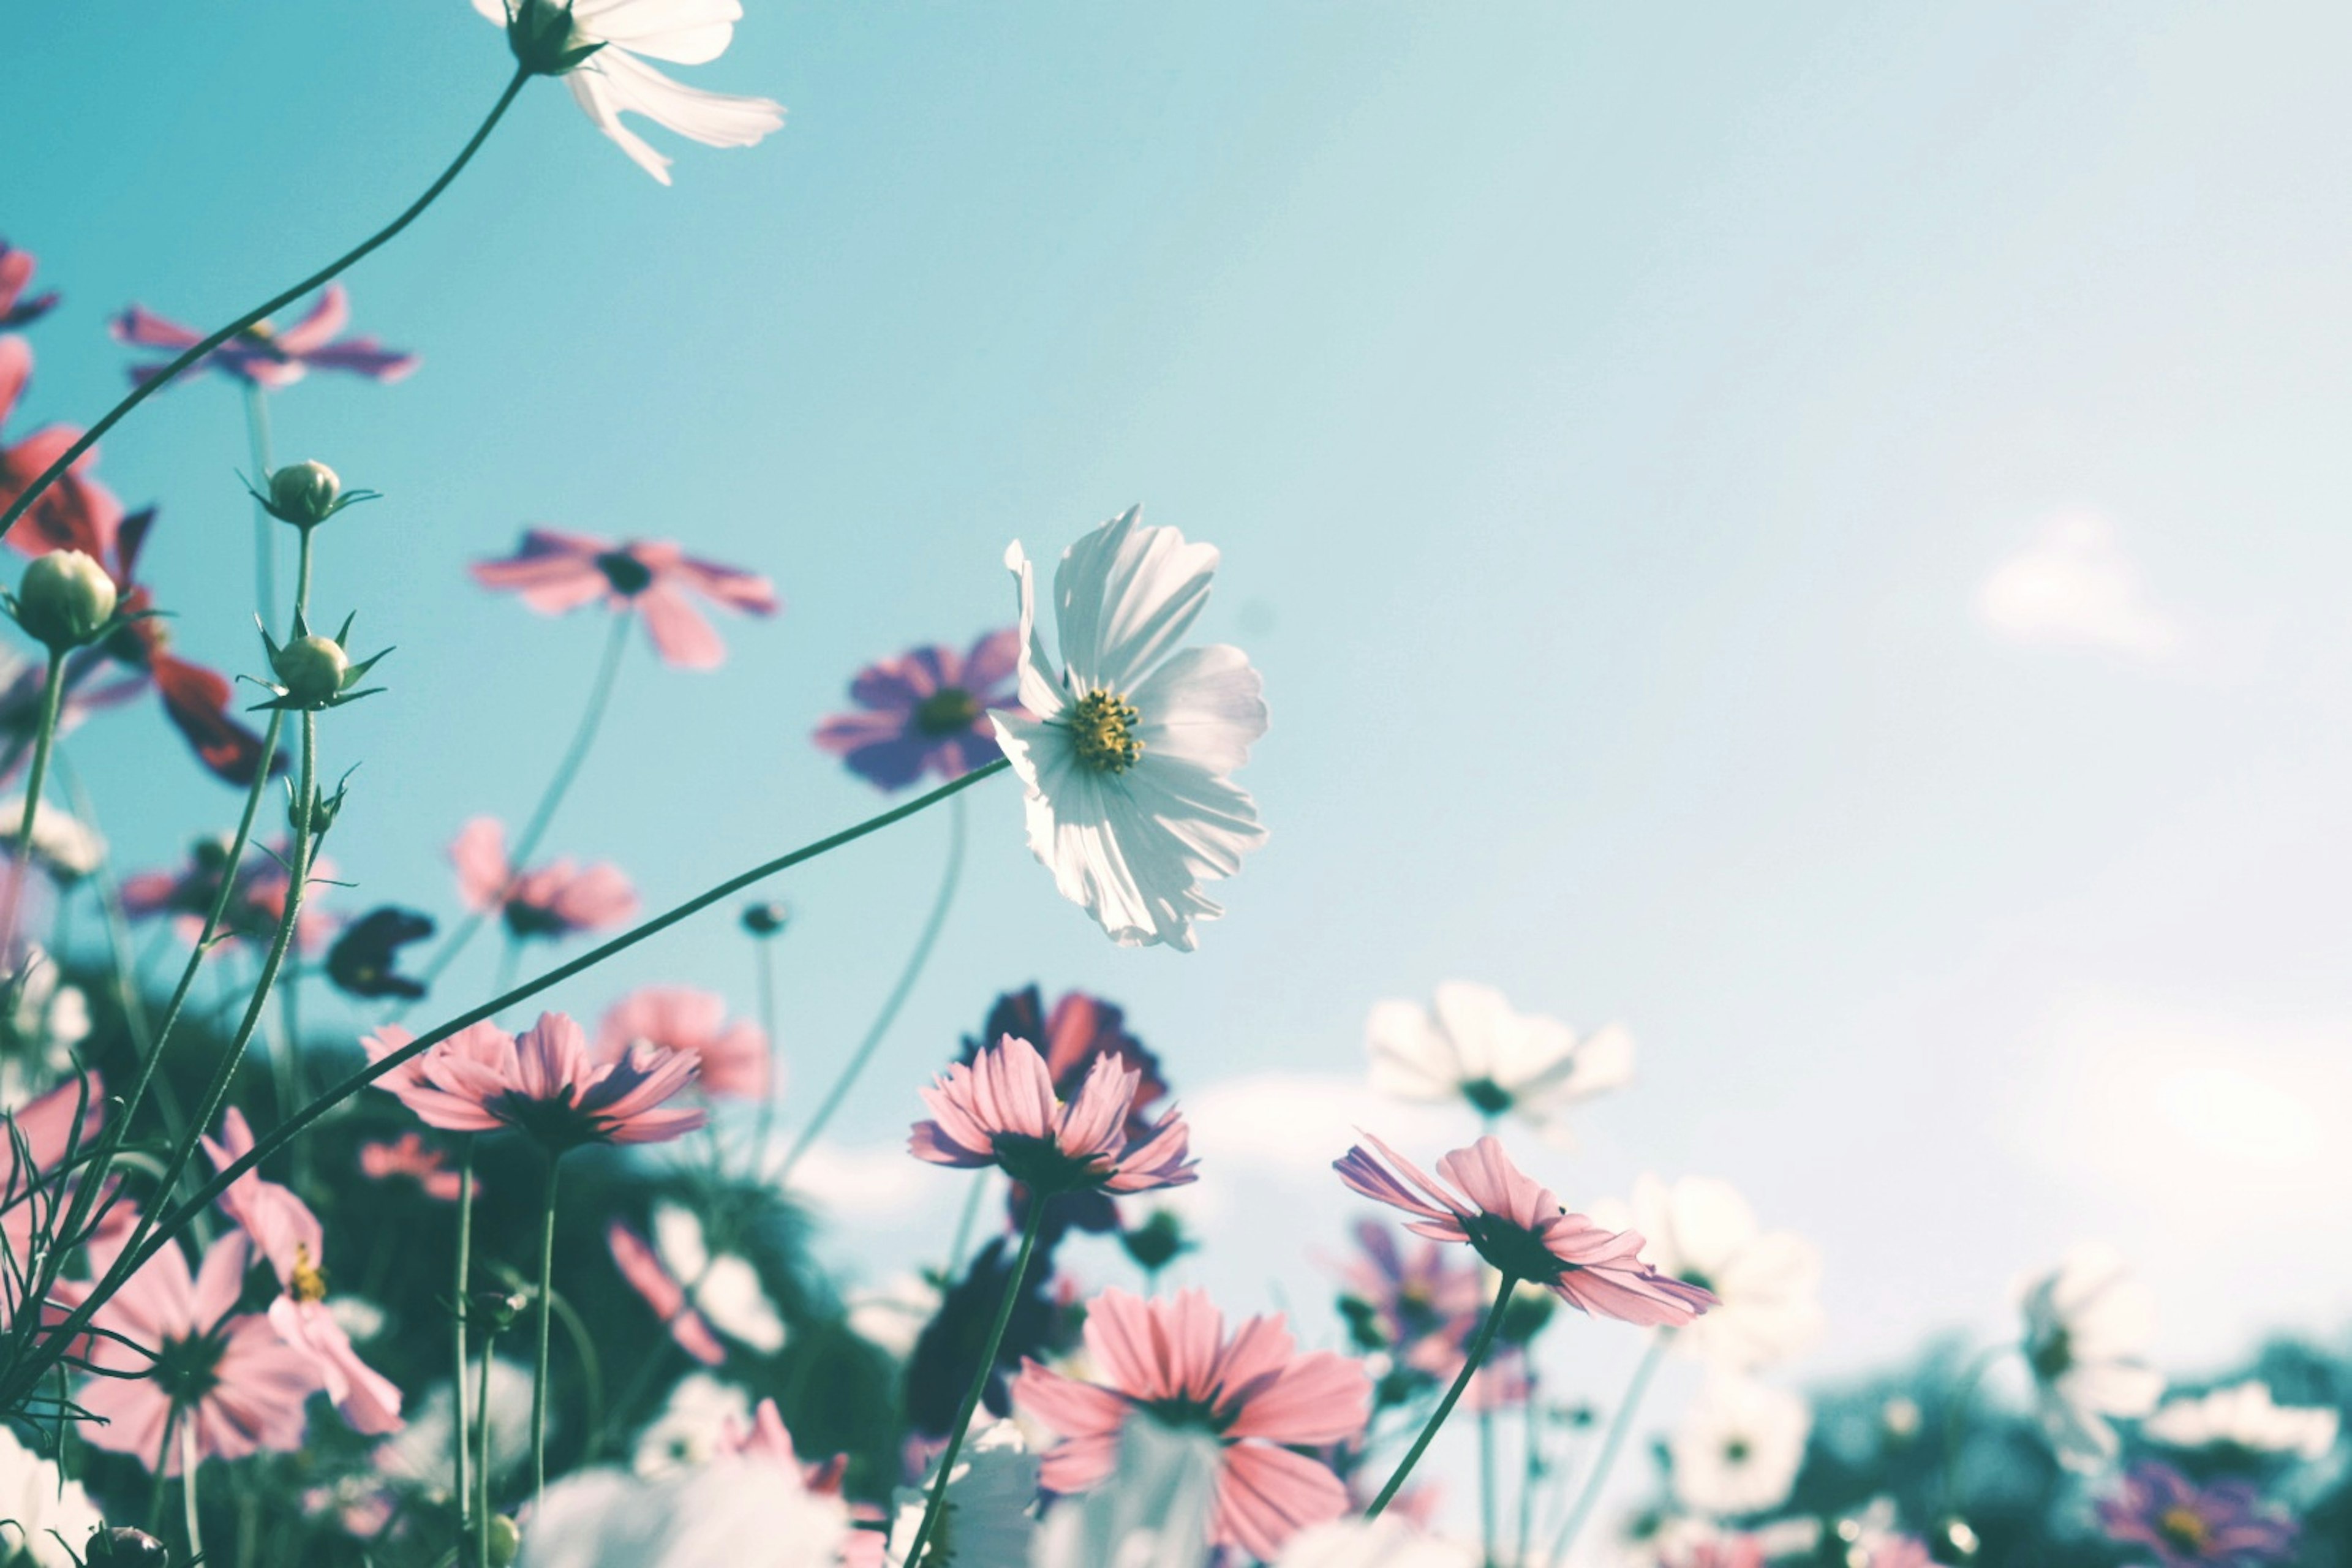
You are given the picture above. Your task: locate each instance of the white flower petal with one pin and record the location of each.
(683, 32)
(1040, 690)
(1124, 595)
(1411, 1057)
(730, 1296)
(1205, 706)
(613, 82)
(677, 1240)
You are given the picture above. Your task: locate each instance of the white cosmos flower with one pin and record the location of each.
(1153, 1513)
(1470, 1045)
(892, 1316)
(2245, 1415)
(1702, 1231)
(1125, 751)
(39, 1033)
(988, 1524)
(1739, 1449)
(32, 1504)
(724, 1287)
(2088, 1327)
(613, 82)
(68, 847)
(699, 1419)
(733, 1511)
(419, 1453)
(1372, 1543)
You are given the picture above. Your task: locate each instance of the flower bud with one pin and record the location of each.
(123, 1547)
(304, 493)
(64, 599)
(311, 670)
(1157, 1242)
(506, 1541)
(766, 919)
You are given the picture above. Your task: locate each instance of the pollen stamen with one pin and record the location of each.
(309, 1281)
(1103, 724)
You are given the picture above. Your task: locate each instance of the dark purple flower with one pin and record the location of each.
(2225, 1525)
(15, 277)
(926, 709)
(268, 356)
(946, 1356)
(365, 960)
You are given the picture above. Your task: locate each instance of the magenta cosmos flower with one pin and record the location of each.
(15, 277)
(543, 1083)
(551, 901)
(2225, 1525)
(664, 1294)
(556, 572)
(925, 711)
(1519, 1227)
(257, 902)
(284, 1230)
(1252, 1392)
(734, 1055)
(269, 356)
(1001, 1110)
(1420, 1304)
(174, 1353)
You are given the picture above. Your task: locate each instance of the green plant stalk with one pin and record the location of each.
(543, 816)
(937, 1503)
(482, 1461)
(188, 1457)
(1478, 1354)
(24, 1373)
(1530, 1471)
(1620, 1424)
(929, 938)
(173, 371)
(53, 692)
(461, 1310)
(265, 540)
(546, 1324)
(1486, 1487)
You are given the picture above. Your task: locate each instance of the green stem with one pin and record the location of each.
(1620, 1423)
(543, 816)
(24, 1374)
(53, 692)
(188, 1457)
(482, 1460)
(461, 1309)
(546, 1325)
(1477, 1352)
(657, 1360)
(913, 972)
(937, 1503)
(1486, 1486)
(1956, 1413)
(194, 355)
(1531, 1472)
(265, 536)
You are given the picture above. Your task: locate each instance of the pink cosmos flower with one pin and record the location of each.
(37, 1143)
(255, 907)
(556, 572)
(15, 277)
(643, 1268)
(544, 1083)
(1001, 1110)
(2225, 1525)
(1519, 1227)
(1422, 1304)
(284, 1231)
(551, 901)
(925, 710)
(77, 505)
(409, 1155)
(734, 1056)
(199, 1365)
(268, 356)
(1252, 1392)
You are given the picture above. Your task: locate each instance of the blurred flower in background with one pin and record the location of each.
(1469, 1044)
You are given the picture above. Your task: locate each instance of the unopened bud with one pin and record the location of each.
(64, 599)
(506, 1541)
(766, 919)
(311, 670)
(123, 1547)
(1157, 1242)
(499, 1310)
(304, 493)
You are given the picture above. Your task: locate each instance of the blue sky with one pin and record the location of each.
(1815, 531)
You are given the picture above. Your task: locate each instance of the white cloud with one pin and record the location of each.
(2073, 586)
(872, 1184)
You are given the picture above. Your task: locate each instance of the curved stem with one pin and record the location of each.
(546, 1324)
(543, 816)
(1478, 1348)
(1620, 1424)
(171, 371)
(24, 1374)
(461, 1309)
(265, 539)
(932, 923)
(482, 1460)
(935, 1504)
(53, 692)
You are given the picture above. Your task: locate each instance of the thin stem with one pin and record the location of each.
(53, 692)
(543, 816)
(1531, 1470)
(188, 1491)
(1956, 1413)
(1486, 1486)
(461, 1305)
(156, 1498)
(26, 1371)
(546, 1323)
(932, 924)
(1478, 1347)
(937, 1502)
(265, 536)
(303, 581)
(1620, 1424)
(657, 1360)
(482, 1461)
(194, 355)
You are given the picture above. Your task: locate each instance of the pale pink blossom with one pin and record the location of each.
(1517, 1225)
(409, 1155)
(1001, 1110)
(664, 1293)
(555, 572)
(1259, 1398)
(543, 1083)
(551, 901)
(734, 1055)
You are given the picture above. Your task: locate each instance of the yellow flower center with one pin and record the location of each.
(2185, 1528)
(309, 1279)
(1104, 725)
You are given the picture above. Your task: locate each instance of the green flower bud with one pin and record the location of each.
(64, 599)
(122, 1547)
(311, 670)
(304, 493)
(506, 1541)
(766, 919)
(542, 37)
